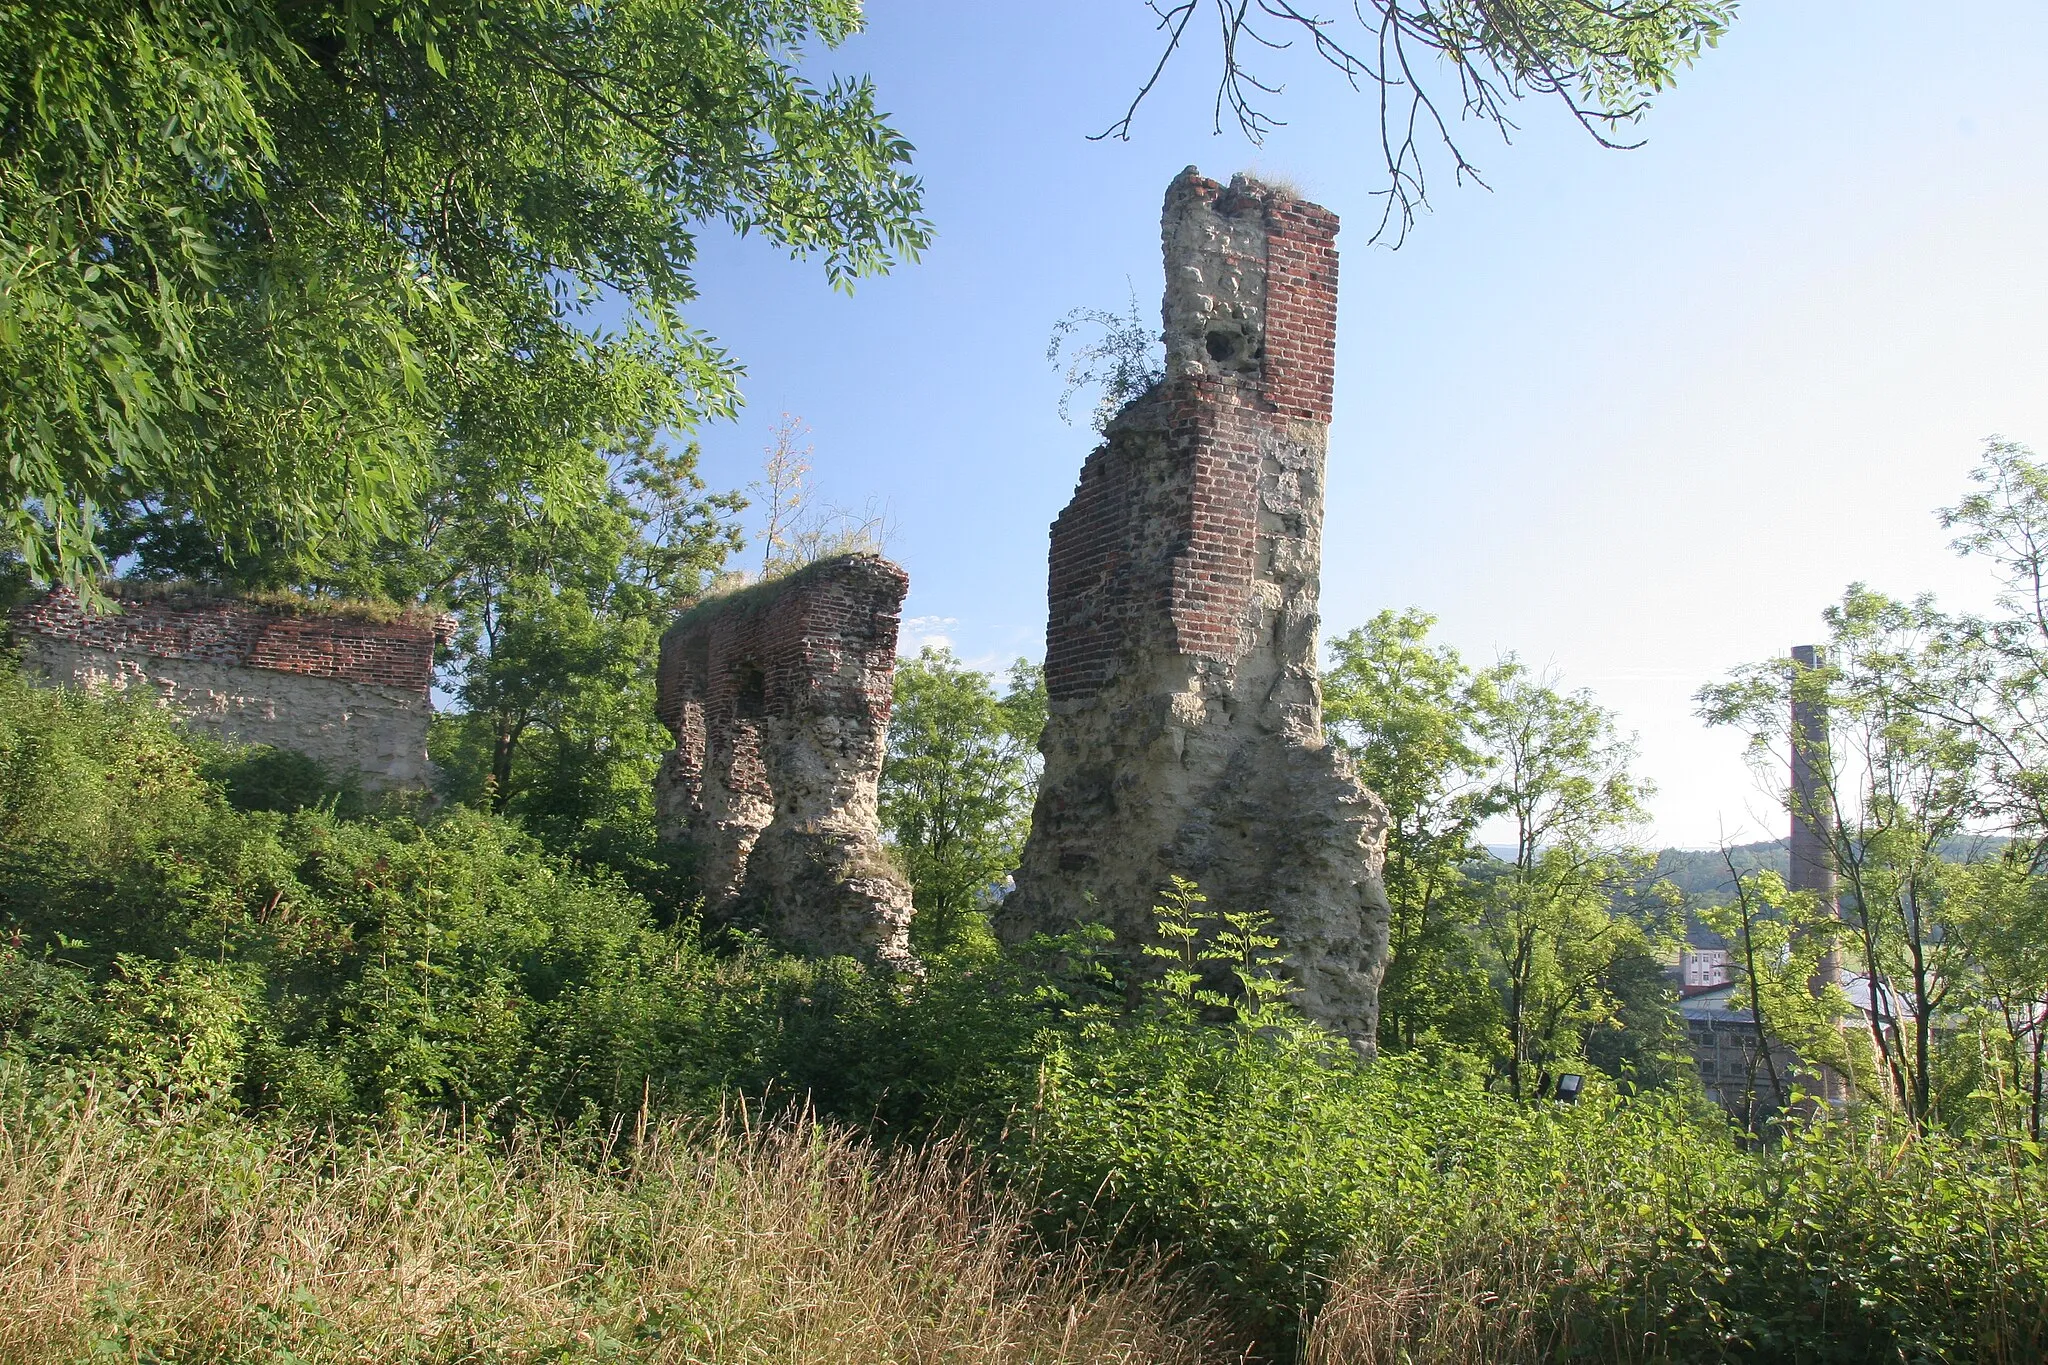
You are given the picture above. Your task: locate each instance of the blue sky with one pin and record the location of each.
(1635, 416)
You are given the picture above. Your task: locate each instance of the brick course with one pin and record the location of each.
(244, 635)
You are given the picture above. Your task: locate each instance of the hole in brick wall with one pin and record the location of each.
(1222, 345)
(750, 692)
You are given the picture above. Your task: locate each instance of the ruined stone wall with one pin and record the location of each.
(779, 699)
(351, 693)
(1185, 727)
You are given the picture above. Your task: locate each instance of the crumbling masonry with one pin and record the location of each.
(778, 697)
(346, 687)
(1185, 733)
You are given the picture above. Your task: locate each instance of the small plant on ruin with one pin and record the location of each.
(801, 528)
(1124, 360)
(1192, 935)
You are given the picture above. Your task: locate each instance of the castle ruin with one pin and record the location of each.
(349, 687)
(778, 696)
(1185, 732)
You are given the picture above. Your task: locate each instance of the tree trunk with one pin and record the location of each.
(2034, 1119)
(503, 746)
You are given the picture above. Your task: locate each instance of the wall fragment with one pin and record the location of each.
(779, 697)
(350, 691)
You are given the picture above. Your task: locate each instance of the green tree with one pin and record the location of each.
(1547, 913)
(562, 604)
(1902, 778)
(1549, 955)
(1994, 674)
(1939, 738)
(958, 783)
(1408, 713)
(562, 570)
(1999, 909)
(1642, 1040)
(1996, 666)
(260, 263)
(1780, 940)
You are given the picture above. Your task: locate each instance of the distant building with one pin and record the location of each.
(1722, 1031)
(1724, 1039)
(1701, 969)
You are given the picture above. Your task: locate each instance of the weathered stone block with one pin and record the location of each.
(779, 697)
(1185, 729)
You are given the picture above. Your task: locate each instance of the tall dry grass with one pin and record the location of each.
(178, 1241)
(1463, 1305)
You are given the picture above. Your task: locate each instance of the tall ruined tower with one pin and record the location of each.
(1185, 731)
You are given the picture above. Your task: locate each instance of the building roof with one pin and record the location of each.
(1723, 1002)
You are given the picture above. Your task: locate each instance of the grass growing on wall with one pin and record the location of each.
(180, 593)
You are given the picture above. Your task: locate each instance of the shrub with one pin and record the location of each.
(400, 962)
(259, 777)
(1283, 1159)
(1413, 1216)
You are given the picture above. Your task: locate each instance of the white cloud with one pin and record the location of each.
(920, 631)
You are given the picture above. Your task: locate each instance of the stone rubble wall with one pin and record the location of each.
(779, 699)
(353, 694)
(1185, 728)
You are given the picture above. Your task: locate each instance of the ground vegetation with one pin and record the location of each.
(259, 1044)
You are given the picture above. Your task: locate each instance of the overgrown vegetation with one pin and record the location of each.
(957, 787)
(1545, 957)
(267, 265)
(1930, 813)
(402, 1085)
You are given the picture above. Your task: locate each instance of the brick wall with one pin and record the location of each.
(821, 641)
(779, 698)
(1301, 309)
(1107, 583)
(1160, 542)
(237, 634)
(350, 692)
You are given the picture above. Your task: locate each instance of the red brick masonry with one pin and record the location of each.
(239, 634)
(821, 642)
(1157, 547)
(779, 699)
